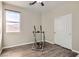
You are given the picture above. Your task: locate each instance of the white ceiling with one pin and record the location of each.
(37, 6)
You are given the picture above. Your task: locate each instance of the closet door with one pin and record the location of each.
(63, 31)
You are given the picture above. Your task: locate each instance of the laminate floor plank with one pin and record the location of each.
(50, 50)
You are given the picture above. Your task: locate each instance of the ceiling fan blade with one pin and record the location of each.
(32, 3)
(42, 3)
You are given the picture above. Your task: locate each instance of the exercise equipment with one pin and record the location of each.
(38, 44)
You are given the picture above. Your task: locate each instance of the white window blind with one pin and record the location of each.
(12, 21)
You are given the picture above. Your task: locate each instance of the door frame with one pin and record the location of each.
(71, 30)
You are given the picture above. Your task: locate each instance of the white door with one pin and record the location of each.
(63, 31)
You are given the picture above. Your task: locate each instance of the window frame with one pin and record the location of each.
(18, 22)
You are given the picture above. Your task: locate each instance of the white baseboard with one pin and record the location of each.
(50, 42)
(23, 44)
(71, 49)
(75, 51)
(17, 45)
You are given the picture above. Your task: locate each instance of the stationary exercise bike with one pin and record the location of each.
(38, 44)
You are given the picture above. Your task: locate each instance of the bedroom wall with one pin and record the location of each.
(29, 18)
(47, 23)
(0, 27)
(66, 8)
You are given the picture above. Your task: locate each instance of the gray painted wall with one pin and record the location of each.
(28, 20)
(48, 22)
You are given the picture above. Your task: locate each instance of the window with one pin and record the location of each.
(12, 21)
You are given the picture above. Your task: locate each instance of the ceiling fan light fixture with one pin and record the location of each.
(40, 2)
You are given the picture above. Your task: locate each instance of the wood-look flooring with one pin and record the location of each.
(50, 50)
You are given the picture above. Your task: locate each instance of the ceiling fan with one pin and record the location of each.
(40, 2)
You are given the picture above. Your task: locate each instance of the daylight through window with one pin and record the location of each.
(12, 21)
